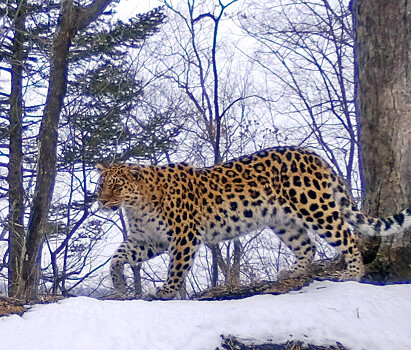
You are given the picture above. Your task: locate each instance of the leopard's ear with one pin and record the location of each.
(135, 171)
(100, 167)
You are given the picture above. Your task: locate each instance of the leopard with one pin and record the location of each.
(177, 207)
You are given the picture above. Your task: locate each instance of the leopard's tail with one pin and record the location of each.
(369, 226)
(381, 226)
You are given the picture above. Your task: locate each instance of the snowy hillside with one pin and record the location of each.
(358, 316)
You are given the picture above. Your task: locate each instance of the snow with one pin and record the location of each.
(359, 316)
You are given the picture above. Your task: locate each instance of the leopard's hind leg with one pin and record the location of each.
(299, 242)
(340, 236)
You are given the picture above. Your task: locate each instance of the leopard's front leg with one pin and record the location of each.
(132, 251)
(182, 252)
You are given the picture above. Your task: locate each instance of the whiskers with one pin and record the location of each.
(109, 205)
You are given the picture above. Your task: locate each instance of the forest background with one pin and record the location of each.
(84, 82)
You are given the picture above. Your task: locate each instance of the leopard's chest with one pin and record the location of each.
(145, 227)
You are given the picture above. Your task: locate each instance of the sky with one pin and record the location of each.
(129, 8)
(359, 316)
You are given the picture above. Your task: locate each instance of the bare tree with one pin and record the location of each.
(199, 72)
(307, 49)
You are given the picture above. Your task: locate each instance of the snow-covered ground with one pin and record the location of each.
(359, 316)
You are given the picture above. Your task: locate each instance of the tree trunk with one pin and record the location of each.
(383, 83)
(215, 253)
(72, 19)
(15, 175)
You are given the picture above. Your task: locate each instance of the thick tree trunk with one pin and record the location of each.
(72, 19)
(383, 82)
(15, 176)
(47, 143)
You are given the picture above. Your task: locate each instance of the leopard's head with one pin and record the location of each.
(117, 185)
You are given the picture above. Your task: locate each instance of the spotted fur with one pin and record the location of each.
(177, 207)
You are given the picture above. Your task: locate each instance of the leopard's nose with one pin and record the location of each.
(102, 203)
(103, 198)
(105, 206)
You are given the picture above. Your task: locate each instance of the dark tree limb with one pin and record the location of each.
(15, 175)
(325, 269)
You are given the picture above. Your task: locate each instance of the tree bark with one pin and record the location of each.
(72, 19)
(383, 84)
(15, 175)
